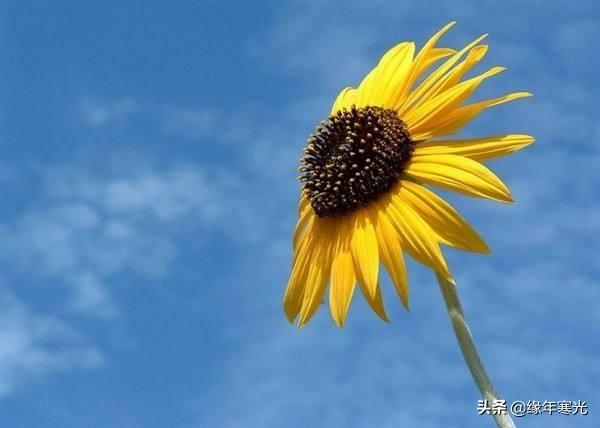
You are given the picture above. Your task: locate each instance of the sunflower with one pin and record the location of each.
(365, 169)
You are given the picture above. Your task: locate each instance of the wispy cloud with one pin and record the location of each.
(96, 112)
(86, 229)
(32, 345)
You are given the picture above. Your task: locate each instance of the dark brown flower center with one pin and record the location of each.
(354, 156)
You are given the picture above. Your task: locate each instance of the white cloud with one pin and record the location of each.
(86, 229)
(32, 346)
(90, 296)
(96, 112)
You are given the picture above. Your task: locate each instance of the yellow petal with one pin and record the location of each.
(364, 252)
(375, 302)
(504, 99)
(463, 115)
(390, 252)
(431, 112)
(344, 100)
(475, 55)
(303, 224)
(424, 59)
(365, 258)
(366, 89)
(294, 292)
(429, 46)
(303, 203)
(415, 235)
(413, 99)
(433, 56)
(390, 75)
(319, 269)
(388, 83)
(343, 278)
(478, 149)
(460, 174)
(441, 217)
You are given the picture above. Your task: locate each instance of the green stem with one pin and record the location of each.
(467, 346)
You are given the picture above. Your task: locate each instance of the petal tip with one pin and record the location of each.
(289, 315)
(526, 139)
(508, 198)
(338, 320)
(522, 94)
(485, 249)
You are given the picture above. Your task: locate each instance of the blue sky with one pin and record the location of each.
(147, 173)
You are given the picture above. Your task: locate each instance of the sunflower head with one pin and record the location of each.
(364, 200)
(355, 156)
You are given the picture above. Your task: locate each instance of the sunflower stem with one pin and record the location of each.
(469, 351)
